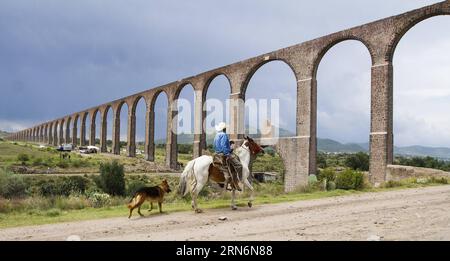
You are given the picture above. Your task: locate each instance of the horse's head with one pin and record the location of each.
(252, 146)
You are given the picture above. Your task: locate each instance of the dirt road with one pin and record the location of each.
(413, 214)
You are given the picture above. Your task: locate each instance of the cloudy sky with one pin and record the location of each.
(59, 57)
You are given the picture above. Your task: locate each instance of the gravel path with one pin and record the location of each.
(412, 214)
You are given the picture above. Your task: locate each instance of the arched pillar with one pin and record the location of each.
(61, 132)
(171, 139)
(199, 117)
(75, 130)
(50, 134)
(381, 126)
(149, 149)
(55, 133)
(45, 136)
(116, 130)
(103, 129)
(131, 130)
(83, 129)
(67, 134)
(93, 115)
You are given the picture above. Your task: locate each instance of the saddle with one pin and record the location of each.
(220, 162)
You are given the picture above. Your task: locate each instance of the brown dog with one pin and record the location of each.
(152, 194)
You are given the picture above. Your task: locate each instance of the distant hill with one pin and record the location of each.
(422, 151)
(329, 145)
(4, 134)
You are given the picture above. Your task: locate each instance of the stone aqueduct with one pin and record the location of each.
(299, 153)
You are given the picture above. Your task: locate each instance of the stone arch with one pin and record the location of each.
(184, 117)
(136, 101)
(135, 124)
(104, 127)
(93, 126)
(67, 135)
(217, 78)
(119, 106)
(422, 46)
(337, 120)
(256, 67)
(120, 118)
(74, 130)
(55, 132)
(152, 134)
(45, 133)
(211, 79)
(404, 25)
(50, 133)
(61, 131)
(179, 88)
(83, 121)
(324, 50)
(254, 119)
(155, 97)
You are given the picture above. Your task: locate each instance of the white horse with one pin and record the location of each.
(200, 170)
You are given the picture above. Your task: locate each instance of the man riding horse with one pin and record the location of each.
(229, 162)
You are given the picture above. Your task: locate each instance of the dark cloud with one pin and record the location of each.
(58, 57)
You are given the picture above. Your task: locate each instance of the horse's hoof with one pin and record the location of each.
(250, 204)
(198, 211)
(233, 208)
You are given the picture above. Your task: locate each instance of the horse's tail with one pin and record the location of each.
(187, 173)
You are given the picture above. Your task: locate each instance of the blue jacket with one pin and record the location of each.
(222, 143)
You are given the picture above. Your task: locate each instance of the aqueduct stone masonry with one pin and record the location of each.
(299, 152)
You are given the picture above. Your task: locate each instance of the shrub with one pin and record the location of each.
(62, 164)
(48, 162)
(72, 202)
(327, 174)
(392, 184)
(112, 178)
(331, 185)
(12, 185)
(22, 157)
(74, 184)
(185, 148)
(38, 162)
(63, 186)
(80, 163)
(133, 186)
(54, 212)
(441, 180)
(49, 188)
(350, 179)
(358, 161)
(99, 200)
(321, 160)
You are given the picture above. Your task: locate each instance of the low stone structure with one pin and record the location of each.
(397, 172)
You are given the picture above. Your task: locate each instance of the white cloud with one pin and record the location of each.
(13, 126)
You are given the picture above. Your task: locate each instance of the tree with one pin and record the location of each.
(112, 178)
(358, 161)
(23, 158)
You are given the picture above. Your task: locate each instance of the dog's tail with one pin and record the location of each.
(131, 202)
(188, 171)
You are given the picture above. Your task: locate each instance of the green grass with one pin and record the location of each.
(9, 152)
(39, 217)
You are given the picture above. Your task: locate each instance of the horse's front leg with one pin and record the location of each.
(233, 198)
(249, 185)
